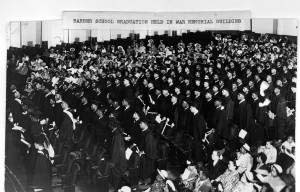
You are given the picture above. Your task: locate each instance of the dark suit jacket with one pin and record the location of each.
(66, 130)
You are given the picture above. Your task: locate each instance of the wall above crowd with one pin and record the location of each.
(54, 32)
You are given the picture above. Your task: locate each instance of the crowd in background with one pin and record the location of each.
(227, 107)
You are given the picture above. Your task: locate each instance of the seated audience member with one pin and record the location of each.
(229, 179)
(273, 178)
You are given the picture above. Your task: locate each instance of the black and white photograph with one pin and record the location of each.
(116, 101)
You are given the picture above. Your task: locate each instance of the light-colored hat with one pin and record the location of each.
(277, 167)
(163, 173)
(125, 189)
(246, 147)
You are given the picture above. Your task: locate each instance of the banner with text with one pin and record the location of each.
(214, 20)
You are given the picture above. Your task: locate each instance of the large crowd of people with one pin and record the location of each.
(199, 117)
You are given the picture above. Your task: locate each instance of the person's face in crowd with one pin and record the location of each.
(217, 103)
(245, 90)
(185, 105)
(240, 97)
(117, 82)
(197, 93)
(274, 171)
(259, 69)
(126, 82)
(193, 109)
(170, 81)
(157, 92)
(279, 83)
(206, 84)
(254, 96)
(17, 95)
(248, 72)
(231, 65)
(136, 116)
(143, 125)
(273, 71)
(269, 145)
(174, 100)
(177, 90)
(216, 77)
(197, 83)
(64, 105)
(225, 93)
(125, 102)
(284, 68)
(239, 82)
(257, 78)
(94, 107)
(290, 139)
(215, 89)
(202, 176)
(52, 102)
(243, 150)
(242, 65)
(215, 156)
(251, 84)
(229, 75)
(83, 100)
(277, 91)
(115, 104)
(210, 70)
(165, 93)
(258, 159)
(187, 82)
(156, 76)
(221, 83)
(38, 146)
(188, 93)
(293, 89)
(187, 70)
(197, 74)
(231, 166)
(208, 96)
(145, 82)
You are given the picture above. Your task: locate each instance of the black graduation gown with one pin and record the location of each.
(184, 120)
(217, 170)
(221, 123)
(245, 116)
(66, 131)
(197, 127)
(126, 118)
(58, 114)
(118, 160)
(149, 146)
(16, 109)
(42, 175)
(208, 113)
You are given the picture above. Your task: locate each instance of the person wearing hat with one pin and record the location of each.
(124, 189)
(244, 160)
(273, 178)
